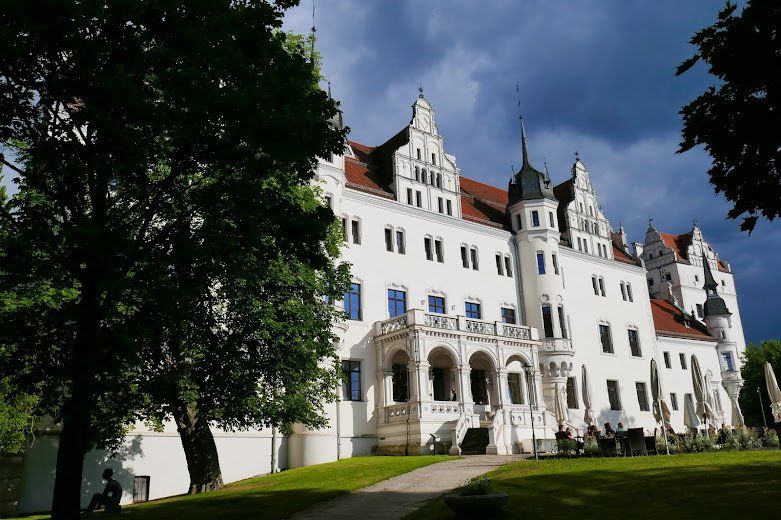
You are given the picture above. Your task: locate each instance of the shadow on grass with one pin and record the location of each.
(674, 488)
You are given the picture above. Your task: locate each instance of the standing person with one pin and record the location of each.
(109, 499)
(453, 396)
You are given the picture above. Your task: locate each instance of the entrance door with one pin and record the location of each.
(479, 391)
(439, 384)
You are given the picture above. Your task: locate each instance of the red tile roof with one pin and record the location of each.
(680, 243)
(359, 176)
(483, 203)
(668, 321)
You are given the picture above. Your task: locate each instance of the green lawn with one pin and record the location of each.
(743, 484)
(280, 495)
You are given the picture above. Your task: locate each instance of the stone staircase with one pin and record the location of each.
(475, 441)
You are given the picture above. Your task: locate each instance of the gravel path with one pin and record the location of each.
(398, 496)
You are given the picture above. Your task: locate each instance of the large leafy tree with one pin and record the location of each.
(753, 372)
(124, 118)
(739, 120)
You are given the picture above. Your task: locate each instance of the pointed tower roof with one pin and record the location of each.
(714, 304)
(529, 183)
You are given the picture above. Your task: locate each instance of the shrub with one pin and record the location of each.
(566, 446)
(591, 446)
(770, 439)
(477, 486)
(743, 439)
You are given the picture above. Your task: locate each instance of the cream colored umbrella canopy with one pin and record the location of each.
(660, 408)
(589, 416)
(773, 391)
(690, 418)
(703, 408)
(562, 416)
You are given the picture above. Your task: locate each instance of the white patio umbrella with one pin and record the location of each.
(737, 414)
(690, 418)
(560, 405)
(589, 416)
(660, 409)
(774, 392)
(703, 408)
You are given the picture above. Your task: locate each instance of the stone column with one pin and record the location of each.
(465, 384)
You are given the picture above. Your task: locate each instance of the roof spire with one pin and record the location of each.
(714, 304)
(524, 151)
(710, 284)
(420, 90)
(651, 222)
(312, 37)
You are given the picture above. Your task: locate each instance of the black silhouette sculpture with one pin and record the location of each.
(109, 499)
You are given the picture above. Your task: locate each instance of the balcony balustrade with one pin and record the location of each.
(417, 317)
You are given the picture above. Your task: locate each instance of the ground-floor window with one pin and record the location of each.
(400, 383)
(572, 396)
(514, 384)
(642, 396)
(351, 380)
(612, 395)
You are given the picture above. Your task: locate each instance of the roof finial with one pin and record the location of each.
(312, 37)
(577, 155)
(420, 90)
(650, 222)
(329, 89)
(512, 168)
(694, 222)
(547, 176)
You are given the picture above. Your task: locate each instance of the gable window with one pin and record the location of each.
(352, 302)
(427, 248)
(449, 205)
(514, 385)
(418, 199)
(351, 380)
(634, 343)
(562, 322)
(499, 266)
(535, 219)
(728, 364)
(682, 358)
(572, 396)
(555, 262)
(667, 362)
(436, 304)
(389, 239)
(540, 262)
(547, 321)
(472, 310)
(508, 315)
(604, 339)
(409, 196)
(400, 245)
(356, 229)
(642, 396)
(612, 395)
(464, 257)
(674, 401)
(440, 205)
(473, 254)
(508, 267)
(438, 251)
(397, 302)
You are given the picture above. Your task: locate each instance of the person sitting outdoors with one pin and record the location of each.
(568, 431)
(609, 431)
(620, 428)
(723, 434)
(592, 431)
(109, 499)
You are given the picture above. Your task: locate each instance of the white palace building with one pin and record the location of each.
(471, 314)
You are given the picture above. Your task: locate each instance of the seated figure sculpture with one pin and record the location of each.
(109, 499)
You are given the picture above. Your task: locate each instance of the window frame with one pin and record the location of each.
(508, 312)
(643, 403)
(540, 262)
(471, 308)
(435, 304)
(348, 392)
(353, 297)
(617, 407)
(535, 218)
(396, 298)
(629, 334)
(606, 349)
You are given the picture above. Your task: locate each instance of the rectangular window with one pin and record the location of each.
(140, 488)
(667, 360)
(550, 219)
(352, 302)
(642, 397)
(389, 239)
(555, 263)
(547, 321)
(418, 199)
(674, 401)
(344, 228)
(400, 246)
(602, 285)
(473, 253)
(427, 248)
(417, 150)
(604, 338)
(409, 196)
(562, 323)
(434, 158)
(727, 356)
(400, 383)
(518, 221)
(397, 302)
(439, 251)
(682, 357)
(634, 343)
(572, 396)
(499, 267)
(472, 310)
(356, 229)
(351, 380)
(464, 257)
(585, 247)
(514, 384)
(629, 291)
(540, 262)
(580, 245)
(436, 304)
(623, 291)
(440, 205)
(699, 310)
(508, 268)
(449, 205)
(535, 219)
(594, 284)
(508, 315)
(612, 395)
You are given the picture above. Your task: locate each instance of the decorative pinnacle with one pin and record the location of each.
(420, 90)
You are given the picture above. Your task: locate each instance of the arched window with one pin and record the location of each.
(417, 173)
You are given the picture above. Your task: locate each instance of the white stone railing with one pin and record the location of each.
(557, 345)
(416, 317)
(399, 412)
(444, 408)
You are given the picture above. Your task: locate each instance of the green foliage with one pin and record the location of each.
(742, 439)
(566, 446)
(687, 444)
(591, 446)
(769, 438)
(753, 373)
(477, 486)
(738, 122)
(16, 419)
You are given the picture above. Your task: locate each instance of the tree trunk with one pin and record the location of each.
(66, 503)
(203, 463)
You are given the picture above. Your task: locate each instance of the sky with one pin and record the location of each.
(596, 76)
